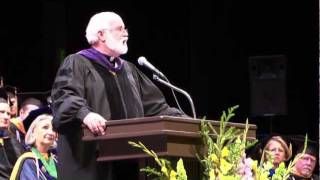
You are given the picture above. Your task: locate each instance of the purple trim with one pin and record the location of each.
(94, 55)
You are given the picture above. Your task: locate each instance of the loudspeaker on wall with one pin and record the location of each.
(268, 95)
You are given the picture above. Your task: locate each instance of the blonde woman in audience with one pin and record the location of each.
(277, 151)
(39, 162)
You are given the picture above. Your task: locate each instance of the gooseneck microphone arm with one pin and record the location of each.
(155, 77)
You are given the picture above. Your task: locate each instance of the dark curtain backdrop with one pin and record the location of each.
(203, 47)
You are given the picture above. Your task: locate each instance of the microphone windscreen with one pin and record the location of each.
(141, 60)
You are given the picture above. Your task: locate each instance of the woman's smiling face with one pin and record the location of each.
(44, 134)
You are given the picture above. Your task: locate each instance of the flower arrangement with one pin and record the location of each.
(225, 157)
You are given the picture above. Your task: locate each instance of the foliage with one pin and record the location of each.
(166, 172)
(225, 149)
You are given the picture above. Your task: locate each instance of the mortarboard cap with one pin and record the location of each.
(309, 150)
(298, 145)
(34, 114)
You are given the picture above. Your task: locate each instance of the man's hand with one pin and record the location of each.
(96, 123)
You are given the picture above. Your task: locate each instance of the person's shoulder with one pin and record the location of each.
(74, 57)
(16, 124)
(74, 60)
(315, 177)
(290, 177)
(295, 177)
(27, 155)
(25, 159)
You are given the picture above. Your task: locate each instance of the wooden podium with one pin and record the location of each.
(165, 135)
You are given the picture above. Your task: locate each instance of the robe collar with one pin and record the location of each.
(94, 55)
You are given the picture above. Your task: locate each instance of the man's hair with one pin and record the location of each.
(10, 94)
(32, 101)
(97, 23)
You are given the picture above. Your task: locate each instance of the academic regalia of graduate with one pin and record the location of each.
(10, 150)
(29, 167)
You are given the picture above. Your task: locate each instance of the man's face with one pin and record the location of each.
(305, 165)
(14, 107)
(4, 115)
(117, 37)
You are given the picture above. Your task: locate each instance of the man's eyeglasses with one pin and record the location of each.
(118, 29)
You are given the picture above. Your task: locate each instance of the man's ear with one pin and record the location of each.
(101, 36)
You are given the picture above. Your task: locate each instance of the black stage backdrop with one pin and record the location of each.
(203, 47)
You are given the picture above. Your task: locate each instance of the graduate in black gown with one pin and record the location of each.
(10, 147)
(96, 85)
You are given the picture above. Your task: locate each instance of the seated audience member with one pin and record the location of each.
(40, 161)
(10, 148)
(304, 167)
(277, 149)
(13, 102)
(28, 105)
(16, 126)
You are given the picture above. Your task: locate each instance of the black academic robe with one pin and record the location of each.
(295, 177)
(10, 150)
(83, 85)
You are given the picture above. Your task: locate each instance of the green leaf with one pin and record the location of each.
(181, 172)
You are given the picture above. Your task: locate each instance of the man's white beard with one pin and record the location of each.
(118, 46)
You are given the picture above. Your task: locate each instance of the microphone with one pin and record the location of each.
(144, 62)
(155, 77)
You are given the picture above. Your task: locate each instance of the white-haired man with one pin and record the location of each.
(305, 165)
(96, 85)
